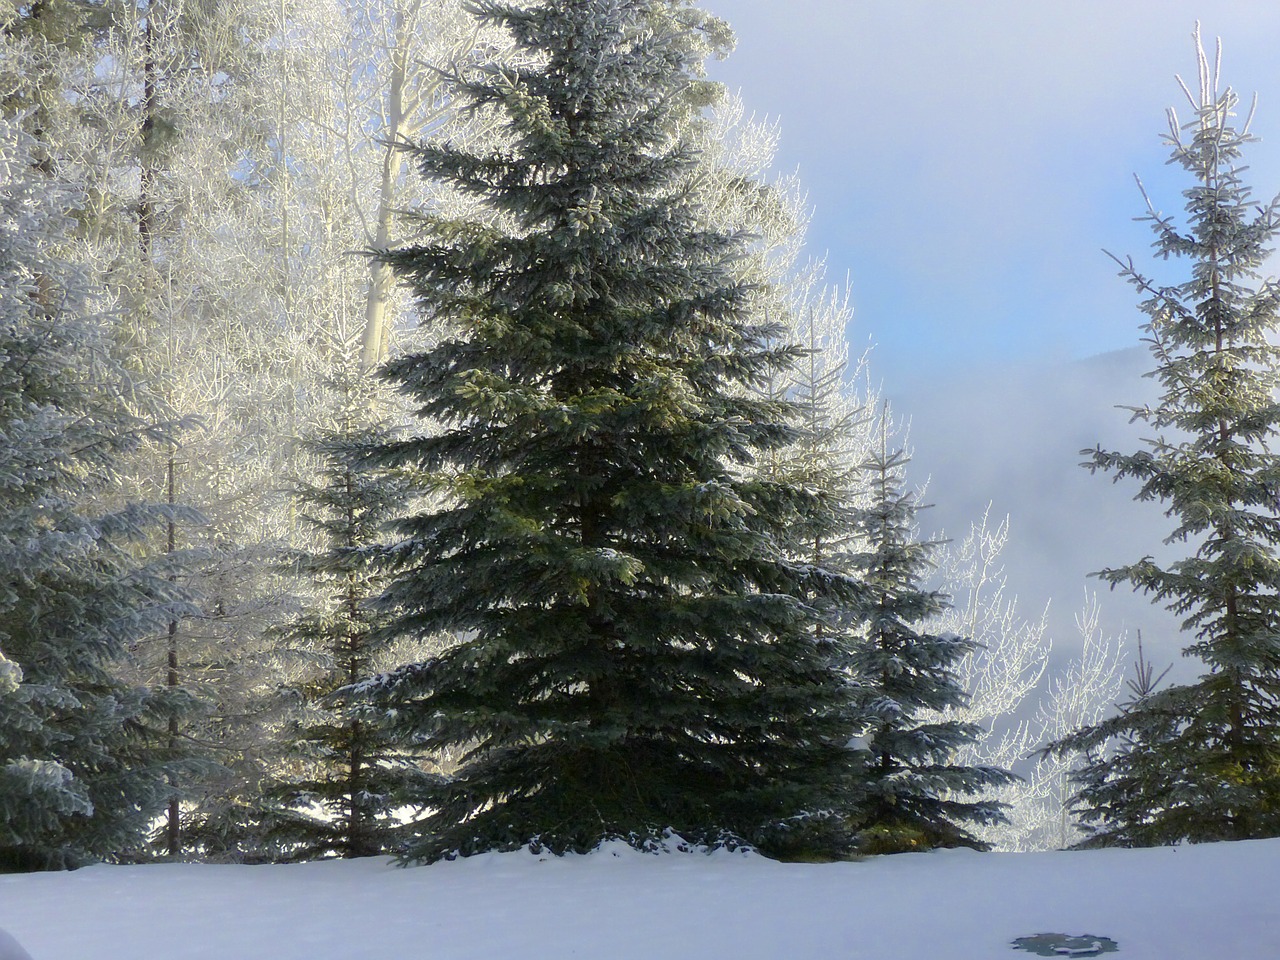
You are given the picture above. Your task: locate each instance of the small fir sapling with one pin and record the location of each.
(915, 796)
(348, 775)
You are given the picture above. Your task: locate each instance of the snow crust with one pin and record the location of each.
(1195, 902)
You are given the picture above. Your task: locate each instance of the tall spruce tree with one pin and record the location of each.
(85, 759)
(635, 653)
(915, 796)
(1201, 761)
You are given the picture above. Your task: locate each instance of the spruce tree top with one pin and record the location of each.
(1212, 463)
(639, 652)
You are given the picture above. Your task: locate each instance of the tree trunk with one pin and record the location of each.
(375, 341)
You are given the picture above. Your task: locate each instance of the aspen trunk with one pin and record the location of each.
(375, 341)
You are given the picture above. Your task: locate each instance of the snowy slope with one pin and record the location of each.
(1210, 902)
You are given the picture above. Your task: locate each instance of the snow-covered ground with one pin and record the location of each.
(1210, 902)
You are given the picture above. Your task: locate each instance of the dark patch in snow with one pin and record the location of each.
(1065, 945)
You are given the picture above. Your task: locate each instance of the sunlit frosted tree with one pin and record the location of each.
(86, 762)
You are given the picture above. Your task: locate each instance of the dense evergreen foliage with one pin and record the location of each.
(86, 760)
(913, 795)
(1201, 761)
(634, 653)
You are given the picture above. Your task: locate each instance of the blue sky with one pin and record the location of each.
(967, 164)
